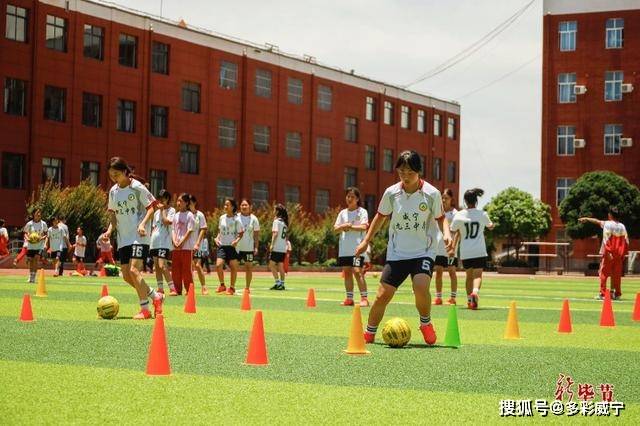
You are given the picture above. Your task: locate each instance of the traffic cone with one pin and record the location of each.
(26, 314)
(512, 331)
(636, 308)
(452, 338)
(606, 315)
(103, 272)
(41, 289)
(356, 344)
(105, 290)
(311, 298)
(190, 303)
(257, 350)
(287, 257)
(246, 301)
(342, 274)
(158, 362)
(565, 318)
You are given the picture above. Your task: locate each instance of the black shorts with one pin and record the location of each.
(245, 256)
(351, 261)
(474, 263)
(63, 253)
(197, 254)
(55, 255)
(396, 271)
(277, 256)
(227, 253)
(162, 253)
(133, 251)
(445, 261)
(33, 253)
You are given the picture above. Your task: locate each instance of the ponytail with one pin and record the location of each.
(471, 196)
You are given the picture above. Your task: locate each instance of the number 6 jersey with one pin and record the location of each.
(471, 224)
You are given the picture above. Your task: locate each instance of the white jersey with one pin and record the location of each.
(130, 205)
(161, 234)
(471, 224)
(280, 242)
(204, 246)
(349, 240)
(40, 228)
(201, 223)
(56, 238)
(613, 230)
(65, 228)
(81, 246)
(250, 224)
(4, 233)
(442, 249)
(229, 227)
(411, 232)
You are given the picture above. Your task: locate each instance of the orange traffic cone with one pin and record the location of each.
(342, 274)
(105, 290)
(311, 298)
(565, 318)
(257, 350)
(513, 330)
(606, 316)
(103, 272)
(26, 314)
(356, 344)
(41, 289)
(636, 308)
(158, 362)
(246, 301)
(287, 257)
(190, 303)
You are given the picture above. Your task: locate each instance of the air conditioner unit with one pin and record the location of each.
(626, 142)
(579, 90)
(579, 143)
(627, 88)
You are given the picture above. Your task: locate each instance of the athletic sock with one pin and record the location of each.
(350, 295)
(371, 329)
(32, 276)
(144, 304)
(152, 294)
(159, 284)
(454, 294)
(171, 286)
(475, 291)
(425, 320)
(364, 294)
(438, 295)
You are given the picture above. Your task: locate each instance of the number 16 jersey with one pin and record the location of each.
(471, 224)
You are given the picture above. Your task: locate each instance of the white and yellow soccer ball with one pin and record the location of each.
(34, 238)
(108, 307)
(396, 332)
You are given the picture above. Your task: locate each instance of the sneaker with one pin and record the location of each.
(474, 301)
(275, 286)
(173, 293)
(205, 290)
(221, 288)
(347, 302)
(157, 304)
(364, 302)
(142, 315)
(452, 301)
(231, 291)
(160, 290)
(369, 337)
(437, 301)
(599, 297)
(280, 287)
(428, 333)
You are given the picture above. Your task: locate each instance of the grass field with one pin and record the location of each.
(69, 366)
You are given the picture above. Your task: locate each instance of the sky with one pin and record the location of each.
(397, 41)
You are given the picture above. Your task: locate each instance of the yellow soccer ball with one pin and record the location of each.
(34, 238)
(396, 332)
(108, 307)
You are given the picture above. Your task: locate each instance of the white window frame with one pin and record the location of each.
(225, 188)
(565, 135)
(567, 183)
(437, 125)
(261, 138)
(227, 132)
(370, 108)
(228, 75)
(405, 117)
(614, 33)
(612, 136)
(451, 128)
(291, 194)
(387, 160)
(260, 193)
(388, 113)
(325, 97)
(566, 84)
(613, 80)
(421, 121)
(323, 199)
(295, 90)
(571, 33)
(323, 150)
(263, 83)
(293, 145)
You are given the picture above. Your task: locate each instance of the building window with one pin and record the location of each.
(421, 123)
(567, 30)
(263, 83)
(405, 117)
(127, 53)
(323, 150)
(54, 103)
(93, 42)
(615, 33)
(451, 172)
(370, 204)
(157, 181)
(17, 21)
(387, 160)
(260, 193)
(191, 96)
(160, 58)
(126, 116)
(293, 145)
(228, 75)
(91, 110)
(437, 125)
(322, 200)
(370, 157)
(423, 166)
(388, 113)
(437, 169)
(566, 135)
(351, 129)
(56, 33)
(566, 84)
(350, 177)
(15, 96)
(325, 95)
(612, 135)
(90, 171)
(226, 133)
(370, 109)
(291, 194)
(159, 121)
(563, 185)
(224, 189)
(451, 127)
(261, 138)
(613, 85)
(13, 170)
(189, 154)
(52, 169)
(294, 91)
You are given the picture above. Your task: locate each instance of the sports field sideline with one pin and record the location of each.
(69, 366)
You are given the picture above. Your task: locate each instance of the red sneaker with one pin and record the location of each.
(364, 302)
(142, 315)
(347, 302)
(474, 301)
(437, 301)
(221, 288)
(428, 333)
(452, 301)
(157, 304)
(205, 290)
(231, 291)
(173, 293)
(369, 337)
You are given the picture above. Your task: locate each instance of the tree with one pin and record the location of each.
(592, 195)
(517, 216)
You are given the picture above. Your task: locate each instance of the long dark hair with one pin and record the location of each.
(471, 196)
(233, 202)
(281, 212)
(118, 163)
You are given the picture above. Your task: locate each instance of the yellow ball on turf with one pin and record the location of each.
(34, 237)
(108, 307)
(396, 332)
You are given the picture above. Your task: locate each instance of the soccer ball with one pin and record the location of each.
(108, 307)
(396, 332)
(34, 237)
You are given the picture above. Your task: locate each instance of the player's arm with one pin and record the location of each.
(595, 221)
(340, 226)
(143, 224)
(361, 227)
(443, 225)
(240, 234)
(375, 226)
(113, 223)
(164, 215)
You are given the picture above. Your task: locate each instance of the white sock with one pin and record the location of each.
(475, 291)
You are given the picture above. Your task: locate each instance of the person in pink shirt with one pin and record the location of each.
(182, 228)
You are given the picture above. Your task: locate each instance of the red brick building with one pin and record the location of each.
(193, 111)
(590, 100)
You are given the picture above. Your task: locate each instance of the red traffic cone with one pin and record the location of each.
(105, 290)
(565, 318)
(158, 362)
(606, 316)
(103, 272)
(287, 257)
(257, 350)
(190, 303)
(636, 308)
(311, 298)
(246, 301)
(26, 314)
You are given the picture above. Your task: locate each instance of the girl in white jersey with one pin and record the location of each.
(352, 224)
(56, 238)
(468, 225)
(248, 245)
(130, 211)
(35, 232)
(161, 244)
(412, 206)
(442, 259)
(230, 232)
(278, 246)
(79, 250)
(197, 236)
